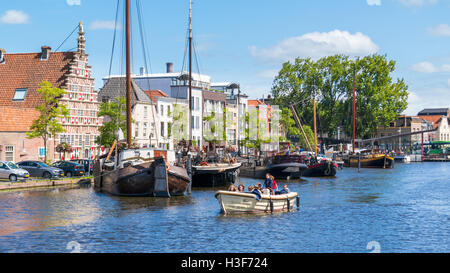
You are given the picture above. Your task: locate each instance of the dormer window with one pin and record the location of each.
(20, 94)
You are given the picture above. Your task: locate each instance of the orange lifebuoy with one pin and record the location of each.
(204, 164)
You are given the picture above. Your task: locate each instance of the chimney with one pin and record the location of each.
(45, 52)
(169, 67)
(2, 56)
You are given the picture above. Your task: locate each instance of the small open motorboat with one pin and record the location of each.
(239, 202)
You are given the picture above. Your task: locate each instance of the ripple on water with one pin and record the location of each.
(405, 209)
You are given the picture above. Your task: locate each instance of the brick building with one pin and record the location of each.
(20, 75)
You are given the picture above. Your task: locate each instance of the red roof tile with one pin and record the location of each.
(27, 70)
(153, 94)
(13, 119)
(435, 120)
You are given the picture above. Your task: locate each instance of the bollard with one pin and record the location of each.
(359, 162)
(189, 171)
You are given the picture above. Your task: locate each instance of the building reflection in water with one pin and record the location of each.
(48, 208)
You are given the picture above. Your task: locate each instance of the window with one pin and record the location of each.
(152, 130)
(20, 94)
(41, 152)
(145, 129)
(162, 130)
(136, 129)
(168, 109)
(9, 153)
(197, 122)
(75, 88)
(162, 110)
(145, 112)
(197, 103)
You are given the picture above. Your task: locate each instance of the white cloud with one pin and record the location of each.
(14, 17)
(373, 2)
(430, 97)
(441, 30)
(428, 68)
(317, 45)
(269, 74)
(424, 67)
(96, 25)
(418, 3)
(73, 2)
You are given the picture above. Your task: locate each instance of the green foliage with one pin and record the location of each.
(48, 123)
(379, 98)
(114, 114)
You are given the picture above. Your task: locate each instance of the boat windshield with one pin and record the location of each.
(12, 165)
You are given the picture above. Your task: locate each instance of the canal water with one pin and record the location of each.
(406, 209)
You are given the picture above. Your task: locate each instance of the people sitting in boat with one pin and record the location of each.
(255, 191)
(241, 188)
(285, 190)
(232, 188)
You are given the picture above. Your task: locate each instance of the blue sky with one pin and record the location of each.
(246, 41)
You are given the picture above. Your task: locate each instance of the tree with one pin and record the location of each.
(48, 124)
(330, 80)
(114, 114)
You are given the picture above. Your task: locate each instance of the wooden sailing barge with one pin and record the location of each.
(138, 172)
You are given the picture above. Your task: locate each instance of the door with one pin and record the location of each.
(34, 169)
(4, 171)
(26, 166)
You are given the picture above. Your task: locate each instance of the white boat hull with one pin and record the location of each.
(237, 202)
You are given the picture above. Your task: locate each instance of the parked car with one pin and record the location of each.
(70, 168)
(40, 169)
(87, 164)
(11, 171)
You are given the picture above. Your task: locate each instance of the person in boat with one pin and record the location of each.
(268, 183)
(258, 186)
(255, 191)
(285, 190)
(232, 188)
(241, 188)
(274, 184)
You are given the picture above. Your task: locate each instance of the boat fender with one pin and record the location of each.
(328, 170)
(204, 164)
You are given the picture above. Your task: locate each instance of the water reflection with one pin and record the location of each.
(45, 208)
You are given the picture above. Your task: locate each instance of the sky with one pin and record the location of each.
(247, 41)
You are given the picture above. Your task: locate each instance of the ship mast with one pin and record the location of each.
(128, 68)
(191, 121)
(354, 107)
(315, 124)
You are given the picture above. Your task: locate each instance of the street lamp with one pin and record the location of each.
(238, 87)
